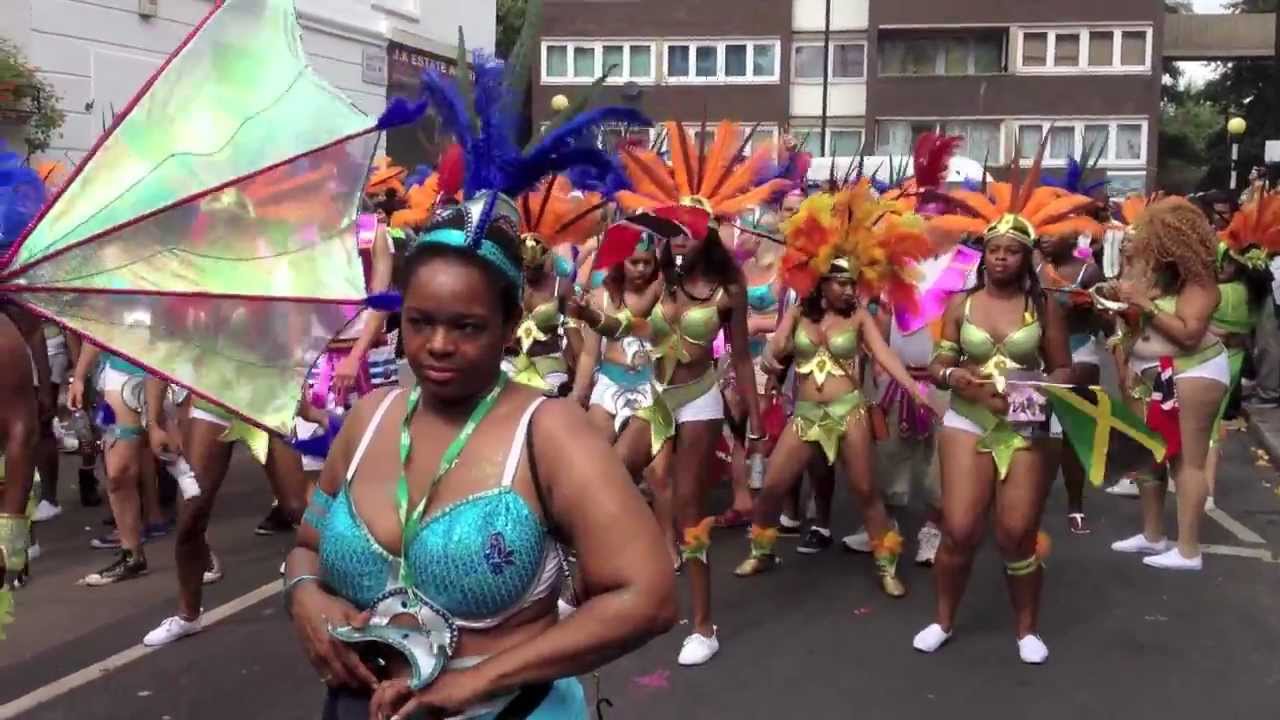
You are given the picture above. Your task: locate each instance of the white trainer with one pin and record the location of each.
(861, 540)
(45, 510)
(1173, 560)
(1125, 487)
(927, 542)
(212, 572)
(930, 639)
(173, 628)
(698, 649)
(1032, 650)
(1140, 544)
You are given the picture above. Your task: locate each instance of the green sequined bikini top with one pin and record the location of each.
(823, 359)
(698, 325)
(1022, 346)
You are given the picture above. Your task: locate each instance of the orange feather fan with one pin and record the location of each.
(719, 176)
(558, 216)
(420, 200)
(385, 176)
(880, 246)
(1257, 223)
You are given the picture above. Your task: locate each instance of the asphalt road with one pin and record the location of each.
(813, 639)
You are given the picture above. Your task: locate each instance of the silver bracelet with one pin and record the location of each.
(291, 583)
(946, 376)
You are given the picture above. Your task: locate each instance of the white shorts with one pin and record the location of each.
(305, 430)
(112, 380)
(956, 421)
(1217, 368)
(201, 414)
(708, 406)
(619, 401)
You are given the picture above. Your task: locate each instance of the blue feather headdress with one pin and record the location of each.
(1073, 180)
(483, 118)
(21, 196)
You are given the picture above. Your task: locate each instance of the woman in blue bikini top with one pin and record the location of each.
(428, 566)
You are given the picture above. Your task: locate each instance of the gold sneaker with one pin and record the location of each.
(755, 565)
(891, 585)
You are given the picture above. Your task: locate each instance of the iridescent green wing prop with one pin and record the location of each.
(210, 235)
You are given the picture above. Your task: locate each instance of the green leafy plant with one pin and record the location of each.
(27, 99)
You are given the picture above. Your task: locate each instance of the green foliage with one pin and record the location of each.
(20, 86)
(510, 21)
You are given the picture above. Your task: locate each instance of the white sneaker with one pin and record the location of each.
(857, 542)
(45, 510)
(33, 552)
(212, 573)
(173, 628)
(927, 542)
(1140, 544)
(1209, 504)
(698, 649)
(860, 541)
(930, 639)
(1173, 560)
(282, 564)
(1032, 650)
(1125, 487)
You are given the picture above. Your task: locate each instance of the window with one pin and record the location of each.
(932, 54)
(1035, 49)
(808, 65)
(735, 61)
(810, 141)
(1102, 49)
(898, 137)
(1085, 50)
(556, 64)
(1109, 143)
(844, 143)
(1129, 145)
(732, 61)
(570, 62)
(848, 62)
(1124, 184)
(677, 61)
(612, 135)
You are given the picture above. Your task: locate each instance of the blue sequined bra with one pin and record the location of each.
(481, 559)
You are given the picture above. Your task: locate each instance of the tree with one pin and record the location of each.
(1250, 89)
(510, 20)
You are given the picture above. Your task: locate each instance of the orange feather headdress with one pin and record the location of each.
(421, 199)
(556, 216)
(1022, 207)
(385, 176)
(716, 179)
(1255, 224)
(852, 232)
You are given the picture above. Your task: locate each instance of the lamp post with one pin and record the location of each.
(1235, 130)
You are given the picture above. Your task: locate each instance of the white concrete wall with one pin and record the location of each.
(98, 53)
(810, 15)
(843, 100)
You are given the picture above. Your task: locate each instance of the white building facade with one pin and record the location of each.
(98, 53)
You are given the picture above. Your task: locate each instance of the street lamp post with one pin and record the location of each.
(1236, 127)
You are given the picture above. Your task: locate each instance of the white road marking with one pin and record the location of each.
(1235, 527)
(15, 708)
(1255, 553)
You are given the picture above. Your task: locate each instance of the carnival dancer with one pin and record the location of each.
(1244, 283)
(1067, 271)
(757, 251)
(996, 446)
(1176, 365)
(703, 292)
(843, 248)
(19, 416)
(467, 613)
(550, 216)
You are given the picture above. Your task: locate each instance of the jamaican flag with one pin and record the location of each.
(1103, 430)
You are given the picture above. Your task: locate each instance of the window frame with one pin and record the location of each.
(720, 44)
(1082, 66)
(598, 45)
(1110, 159)
(800, 130)
(832, 79)
(940, 59)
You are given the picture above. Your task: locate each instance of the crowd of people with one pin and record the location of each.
(500, 468)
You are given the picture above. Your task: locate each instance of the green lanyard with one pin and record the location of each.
(411, 521)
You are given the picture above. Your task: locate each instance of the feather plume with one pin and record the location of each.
(1257, 223)
(389, 301)
(681, 159)
(22, 194)
(442, 95)
(649, 174)
(932, 156)
(452, 171)
(401, 112)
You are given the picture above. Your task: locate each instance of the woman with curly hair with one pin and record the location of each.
(1171, 277)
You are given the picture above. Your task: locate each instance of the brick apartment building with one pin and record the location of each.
(879, 72)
